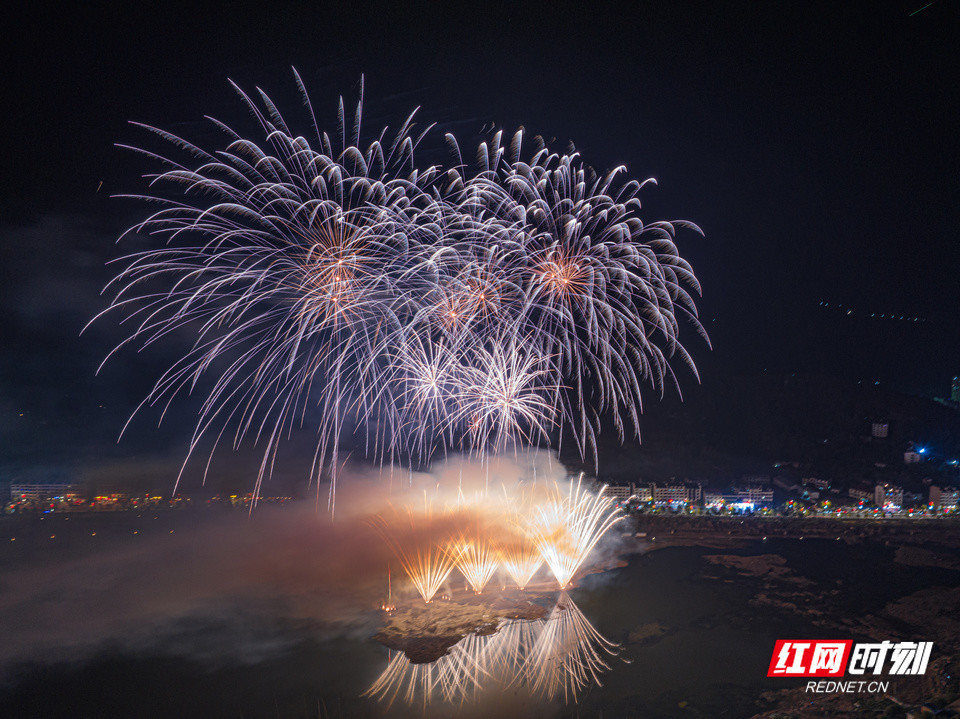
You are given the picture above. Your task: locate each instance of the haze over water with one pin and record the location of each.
(217, 620)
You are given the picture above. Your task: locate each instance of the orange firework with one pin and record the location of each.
(521, 559)
(427, 563)
(568, 527)
(477, 560)
(428, 567)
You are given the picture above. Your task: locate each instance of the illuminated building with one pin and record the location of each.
(946, 499)
(755, 496)
(713, 500)
(888, 497)
(39, 491)
(644, 494)
(676, 493)
(621, 492)
(624, 492)
(745, 499)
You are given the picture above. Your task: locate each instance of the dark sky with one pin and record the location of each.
(816, 144)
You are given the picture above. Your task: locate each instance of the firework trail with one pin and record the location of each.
(521, 560)
(567, 527)
(518, 530)
(426, 561)
(420, 309)
(477, 560)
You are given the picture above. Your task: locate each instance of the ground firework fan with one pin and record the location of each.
(422, 309)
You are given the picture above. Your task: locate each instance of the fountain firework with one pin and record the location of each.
(477, 560)
(568, 527)
(426, 562)
(521, 559)
(546, 524)
(422, 309)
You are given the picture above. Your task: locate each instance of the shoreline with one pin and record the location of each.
(722, 532)
(425, 632)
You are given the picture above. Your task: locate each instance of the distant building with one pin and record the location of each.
(756, 495)
(815, 482)
(620, 492)
(860, 494)
(955, 390)
(888, 497)
(880, 430)
(749, 498)
(676, 493)
(912, 457)
(746, 499)
(40, 491)
(946, 499)
(624, 492)
(713, 500)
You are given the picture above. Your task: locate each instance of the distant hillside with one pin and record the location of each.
(737, 425)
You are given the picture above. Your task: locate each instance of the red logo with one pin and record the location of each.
(809, 657)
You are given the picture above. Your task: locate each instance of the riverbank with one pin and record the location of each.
(939, 539)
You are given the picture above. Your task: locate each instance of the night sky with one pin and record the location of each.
(815, 143)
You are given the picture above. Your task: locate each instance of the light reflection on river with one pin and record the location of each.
(687, 643)
(554, 658)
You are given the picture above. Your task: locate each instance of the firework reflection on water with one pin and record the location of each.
(552, 658)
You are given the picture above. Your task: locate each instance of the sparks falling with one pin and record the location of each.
(553, 526)
(415, 309)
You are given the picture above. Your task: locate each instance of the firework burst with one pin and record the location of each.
(420, 309)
